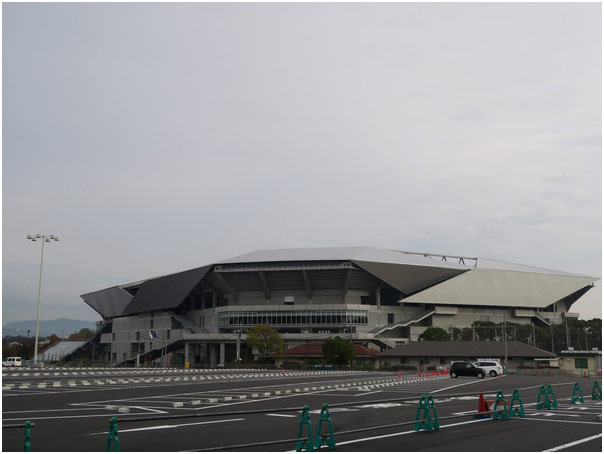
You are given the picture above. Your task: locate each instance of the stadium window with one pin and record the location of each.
(390, 319)
(366, 299)
(580, 363)
(167, 334)
(113, 336)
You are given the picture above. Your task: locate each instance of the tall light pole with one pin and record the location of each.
(505, 342)
(45, 239)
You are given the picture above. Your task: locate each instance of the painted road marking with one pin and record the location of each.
(464, 384)
(405, 433)
(384, 405)
(573, 443)
(280, 415)
(172, 426)
(64, 417)
(365, 394)
(560, 420)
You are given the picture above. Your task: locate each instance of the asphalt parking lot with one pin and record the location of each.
(241, 410)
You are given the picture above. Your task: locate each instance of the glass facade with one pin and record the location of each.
(289, 318)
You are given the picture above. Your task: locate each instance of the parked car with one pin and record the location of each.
(12, 361)
(465, 369)
(491, 368)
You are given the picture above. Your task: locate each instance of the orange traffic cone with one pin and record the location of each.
(400, 373)
(483, 409)
(282, 372)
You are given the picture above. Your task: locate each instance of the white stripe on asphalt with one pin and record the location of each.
(364, 394)
(282, 416)
(173, 426)
(405, 433)
(64, 417)
(573, 443)
(561, 420)
(463, 384)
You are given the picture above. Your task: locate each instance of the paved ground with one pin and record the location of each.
(218, 409)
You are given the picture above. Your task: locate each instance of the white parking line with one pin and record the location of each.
(78, 416)
(365, 394)
(560, 420)
(573, 443)
(172, 426)
(464, 384)
(405, 433)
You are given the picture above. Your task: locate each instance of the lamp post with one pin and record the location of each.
(45, 239)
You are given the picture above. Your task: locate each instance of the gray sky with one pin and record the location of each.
(153, 138)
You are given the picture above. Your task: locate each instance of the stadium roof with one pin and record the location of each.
(420, 277)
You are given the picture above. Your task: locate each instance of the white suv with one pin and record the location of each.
(491, 368)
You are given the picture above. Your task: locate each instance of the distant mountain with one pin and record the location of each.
(66, 326)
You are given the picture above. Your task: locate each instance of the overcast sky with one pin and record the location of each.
(154, 138)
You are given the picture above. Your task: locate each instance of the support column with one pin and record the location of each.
(186, 354)
(378, 297)
(213, 355)
(222, 350)
(214, 299)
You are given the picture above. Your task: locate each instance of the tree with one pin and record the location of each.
(86, 333)
(434, 334)
(485, 330)
(338, 351)
(265, 340)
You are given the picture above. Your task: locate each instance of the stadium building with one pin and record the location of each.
(378, 298)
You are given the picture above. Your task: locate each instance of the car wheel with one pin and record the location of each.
(480, 375)
(493, 373)
(453, 375)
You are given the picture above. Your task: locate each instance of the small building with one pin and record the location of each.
(303, 352)
(579, 362)
(440, 354)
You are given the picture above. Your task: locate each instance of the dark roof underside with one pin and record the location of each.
(109, 302)
(166, 292)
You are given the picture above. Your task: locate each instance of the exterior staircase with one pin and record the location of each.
(414, 319)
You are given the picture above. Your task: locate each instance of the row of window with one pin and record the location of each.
(325, 317)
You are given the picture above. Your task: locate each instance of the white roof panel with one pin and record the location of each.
(499, 265)
(367, 254)
(501, 288)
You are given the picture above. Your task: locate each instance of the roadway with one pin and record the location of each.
(215, 409)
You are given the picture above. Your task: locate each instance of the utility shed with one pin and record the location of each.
(581, 361)
(441, 354)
